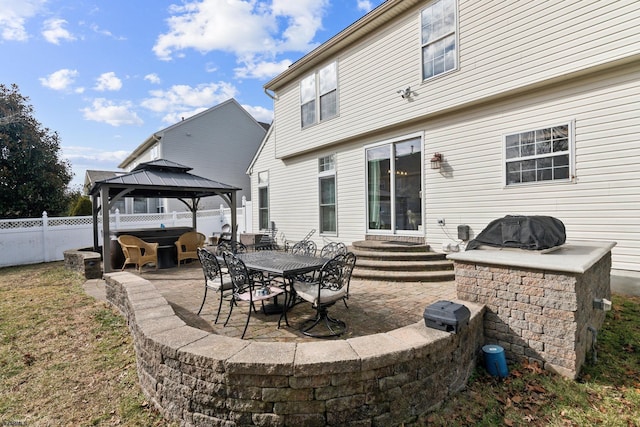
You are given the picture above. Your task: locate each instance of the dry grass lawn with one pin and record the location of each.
(67, 360)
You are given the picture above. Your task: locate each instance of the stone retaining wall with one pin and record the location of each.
(199, 378)
(86, 263)
(538, 315)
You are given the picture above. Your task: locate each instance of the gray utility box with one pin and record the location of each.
(446, 316)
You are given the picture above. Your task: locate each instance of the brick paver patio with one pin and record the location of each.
(373, 306)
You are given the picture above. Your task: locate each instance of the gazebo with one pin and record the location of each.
(159, 178)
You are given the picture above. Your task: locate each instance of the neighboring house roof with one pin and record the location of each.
(259, 151)
(157, 136)
(162, 178)
(92, 176)
(366, 25)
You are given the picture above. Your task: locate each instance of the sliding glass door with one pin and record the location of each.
(394, 181)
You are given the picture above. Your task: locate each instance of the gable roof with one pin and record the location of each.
(368, 24)
(157, 136)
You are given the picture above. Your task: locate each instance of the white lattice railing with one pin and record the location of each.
(34, 240)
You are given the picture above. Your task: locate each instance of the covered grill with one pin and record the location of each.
(522, 232)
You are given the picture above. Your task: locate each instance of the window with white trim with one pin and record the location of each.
(539, 155)
(327, 190)
(263, 200)
(319, 89)
(439, 45)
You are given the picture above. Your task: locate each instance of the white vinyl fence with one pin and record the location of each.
(35, 240)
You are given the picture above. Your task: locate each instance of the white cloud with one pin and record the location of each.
(365, 5)
(246, 28)
(152, 78)
(59, 80)
(13, 16)
(261, 114)
(78, 154)
(54, 31)
(261, 70)
(106, 111)
(183, 100)
(108, 81)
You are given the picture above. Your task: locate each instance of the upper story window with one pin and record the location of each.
(319, 96)
(539, 155)
(439, 50)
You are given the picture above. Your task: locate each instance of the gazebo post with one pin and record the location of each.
(94, 214)
(234, 217)
(106, 241)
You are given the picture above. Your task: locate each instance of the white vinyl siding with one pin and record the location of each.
(503, 46)
(602, 204)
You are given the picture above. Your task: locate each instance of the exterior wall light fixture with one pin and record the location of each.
(436, 161)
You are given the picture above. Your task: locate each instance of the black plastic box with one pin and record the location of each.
(446, 316)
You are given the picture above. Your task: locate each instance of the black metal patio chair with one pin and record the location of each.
(332, 285)
(247, 287)
(214, 279)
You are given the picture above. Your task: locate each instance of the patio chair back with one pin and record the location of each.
(305, 247)
(230, 246)
(138, 252)
(187, 244)
(244, 287)
(332, 249)
(214, 278)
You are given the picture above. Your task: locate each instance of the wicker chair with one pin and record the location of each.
(187, 245)
(137, 251)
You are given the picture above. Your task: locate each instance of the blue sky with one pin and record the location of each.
(105, 75)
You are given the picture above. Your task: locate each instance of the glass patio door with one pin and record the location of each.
(394, 182)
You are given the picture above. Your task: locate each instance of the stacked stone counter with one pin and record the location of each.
(198, 378)
(540, 306)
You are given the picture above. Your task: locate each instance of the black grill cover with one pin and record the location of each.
(523, 232)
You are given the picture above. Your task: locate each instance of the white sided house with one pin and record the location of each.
(426, 115)
(217, 143)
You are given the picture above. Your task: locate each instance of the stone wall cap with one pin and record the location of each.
(216, 347)
(572, 257)
(381, 349)
(327, 357)
(269, 358)
(178, 337)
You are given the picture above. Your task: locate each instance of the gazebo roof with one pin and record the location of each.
(158, 178)
(162, 178)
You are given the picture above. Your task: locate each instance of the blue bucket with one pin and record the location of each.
(495, 361)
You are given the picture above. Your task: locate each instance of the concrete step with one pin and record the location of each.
(397, 261)
(399, 256)
(403, 265)
(403, 276)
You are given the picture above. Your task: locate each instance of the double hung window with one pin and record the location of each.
(263, 200)
(539, 155)
(439, 46)
(327, 190)
(319, 96)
